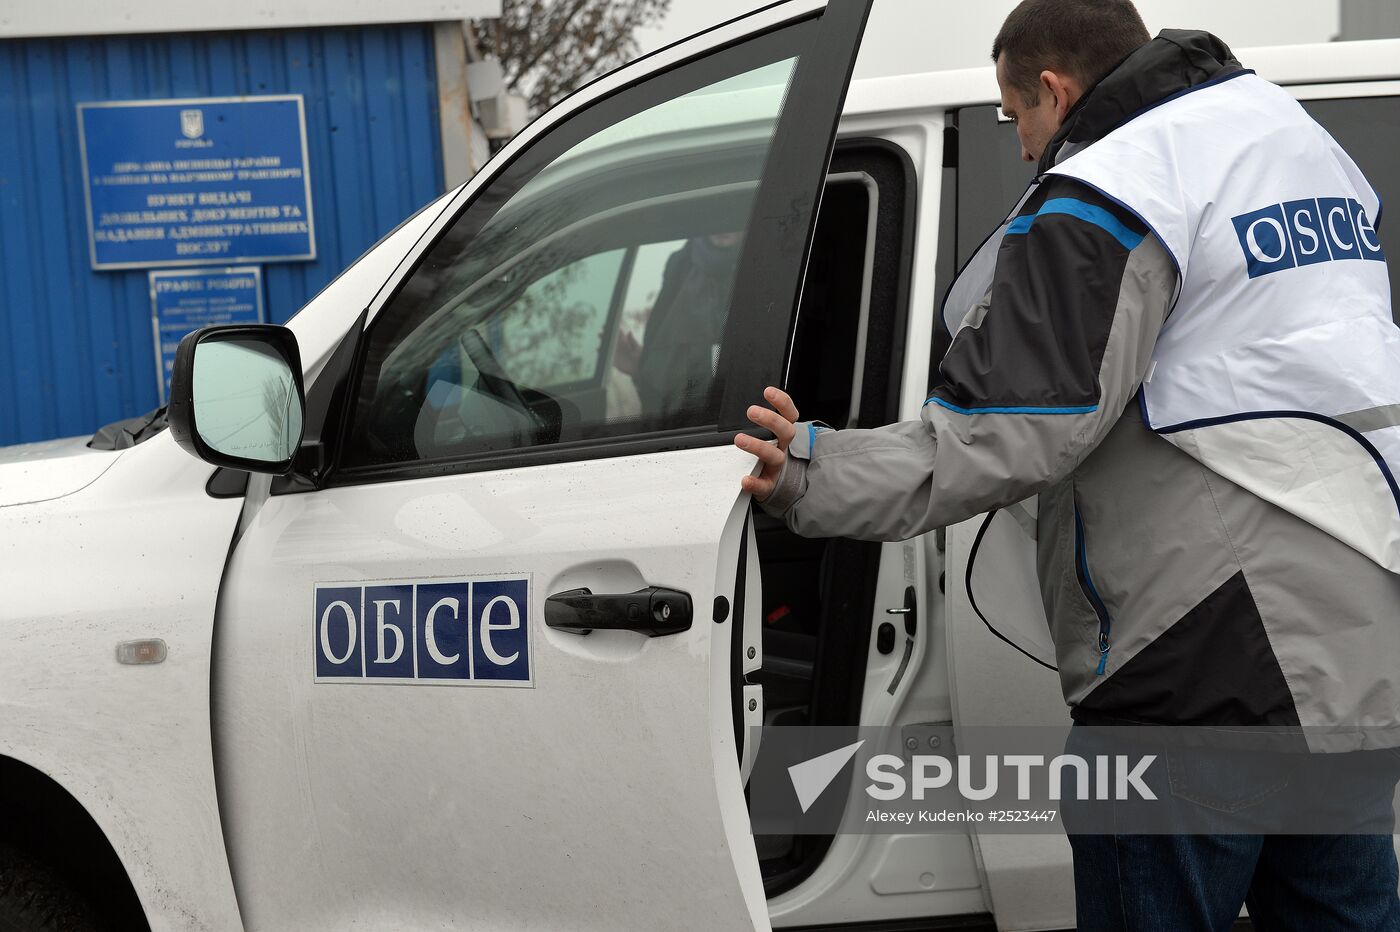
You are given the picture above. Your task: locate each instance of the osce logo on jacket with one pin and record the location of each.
(1298, 233)
(430, 631)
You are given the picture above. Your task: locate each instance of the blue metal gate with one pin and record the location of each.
(76, 348)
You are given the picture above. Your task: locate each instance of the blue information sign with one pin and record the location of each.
(196, 182)
(184, 301)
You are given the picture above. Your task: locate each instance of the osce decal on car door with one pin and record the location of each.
(463, 632)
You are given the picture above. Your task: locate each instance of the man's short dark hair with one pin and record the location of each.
(1083, 38)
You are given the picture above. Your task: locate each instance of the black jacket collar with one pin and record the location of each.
(1177, 60)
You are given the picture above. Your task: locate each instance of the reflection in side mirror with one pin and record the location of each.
(236, 397)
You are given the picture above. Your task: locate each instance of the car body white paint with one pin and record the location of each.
(433, 770)
(38, 472)
(137, 555)
(140, 554)
(100, 547)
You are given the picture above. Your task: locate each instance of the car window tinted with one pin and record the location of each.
(991, 176)
(584, 293)
(1368, 128)
(553, 334)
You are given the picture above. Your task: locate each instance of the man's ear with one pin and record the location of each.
(1063, 89)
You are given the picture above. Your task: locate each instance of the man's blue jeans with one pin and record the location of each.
(1176, 883)
(1221, 822)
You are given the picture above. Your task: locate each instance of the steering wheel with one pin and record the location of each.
(493, 380)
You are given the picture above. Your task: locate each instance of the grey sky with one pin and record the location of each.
(927, 35)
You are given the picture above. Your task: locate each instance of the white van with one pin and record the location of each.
(333, 674)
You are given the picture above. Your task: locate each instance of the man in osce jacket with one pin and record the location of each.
(1180, 340)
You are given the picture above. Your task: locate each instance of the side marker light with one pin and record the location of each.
(150, 650)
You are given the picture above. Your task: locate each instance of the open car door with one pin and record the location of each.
(477, 666)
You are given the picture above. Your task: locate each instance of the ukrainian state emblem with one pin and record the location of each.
(192, 123)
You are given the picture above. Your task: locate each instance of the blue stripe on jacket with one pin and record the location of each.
(1089, 213)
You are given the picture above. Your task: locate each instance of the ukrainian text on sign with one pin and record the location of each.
(196, 181)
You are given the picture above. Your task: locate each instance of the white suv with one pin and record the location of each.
(507, 426)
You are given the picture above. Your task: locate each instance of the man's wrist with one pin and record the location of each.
(788, 488)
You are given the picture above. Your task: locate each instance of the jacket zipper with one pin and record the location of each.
(1086, 583)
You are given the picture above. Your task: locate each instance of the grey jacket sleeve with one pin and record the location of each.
(1033, 380)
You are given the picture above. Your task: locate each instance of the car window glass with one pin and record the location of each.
(552, 335)
(642, 289)
(584, 293)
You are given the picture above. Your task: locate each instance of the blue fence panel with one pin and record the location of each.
(76, 348)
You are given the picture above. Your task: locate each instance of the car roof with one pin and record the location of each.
(747, 115)
(1322, 62)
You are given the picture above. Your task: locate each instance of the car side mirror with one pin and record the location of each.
(236, 397)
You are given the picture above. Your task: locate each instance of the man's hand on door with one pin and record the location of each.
(780, 422)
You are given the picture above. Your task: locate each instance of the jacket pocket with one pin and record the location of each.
(1086, 584)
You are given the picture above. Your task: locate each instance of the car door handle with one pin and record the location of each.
(653, 611)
